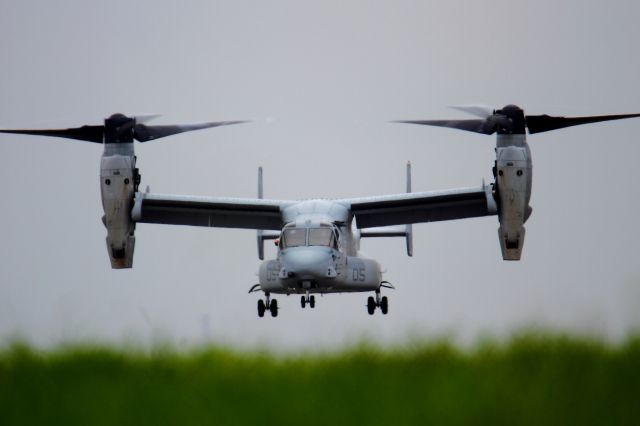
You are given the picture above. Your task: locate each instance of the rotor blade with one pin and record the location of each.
(143, 118)
(544, 123)
(144, 133)
(485, 127)
(84, 133)
(481, 111)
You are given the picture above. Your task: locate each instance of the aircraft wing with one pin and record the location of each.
(419, 207)
(222, 212)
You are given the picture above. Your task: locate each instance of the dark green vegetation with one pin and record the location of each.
(535, 380)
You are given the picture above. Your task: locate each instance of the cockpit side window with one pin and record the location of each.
(322, 237)
(294, 237)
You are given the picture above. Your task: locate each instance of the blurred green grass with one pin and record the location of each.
(532, 379)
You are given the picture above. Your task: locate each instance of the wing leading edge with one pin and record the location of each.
(221, 212)
(420, 207)
(261, 214)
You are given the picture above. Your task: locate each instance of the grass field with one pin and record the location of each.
(530, 380)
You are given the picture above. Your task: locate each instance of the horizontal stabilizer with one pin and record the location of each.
(384, 232)
(405, 231)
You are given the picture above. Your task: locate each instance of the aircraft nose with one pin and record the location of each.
(311, 261)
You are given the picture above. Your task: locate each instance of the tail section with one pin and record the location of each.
(263, 235)
(405, 231)
(409, 227)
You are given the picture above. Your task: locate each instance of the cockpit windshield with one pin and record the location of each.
(321, 237)
(297, 237)
(294, 237)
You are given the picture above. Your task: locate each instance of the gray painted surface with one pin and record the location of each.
(323, 79)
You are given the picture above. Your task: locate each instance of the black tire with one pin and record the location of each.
(371, 305)
(261, 308)
(274, 308)
(384, 305)
(303, 301)
(312, 301)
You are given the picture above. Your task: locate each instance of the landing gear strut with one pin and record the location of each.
(267, 304)
(311, 300)
(378, 302)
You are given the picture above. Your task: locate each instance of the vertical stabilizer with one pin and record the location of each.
(259, 237)
(409, 227)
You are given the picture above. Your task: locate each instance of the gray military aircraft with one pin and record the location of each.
(318, 240)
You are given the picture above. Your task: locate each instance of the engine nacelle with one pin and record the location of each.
(118, 181)
(513, 183)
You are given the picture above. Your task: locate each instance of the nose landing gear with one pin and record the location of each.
(378, 302)
(267, 305)
(311, 300)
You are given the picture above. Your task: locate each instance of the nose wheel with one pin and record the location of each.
(311, 300)
(267, 305)
(378, 302)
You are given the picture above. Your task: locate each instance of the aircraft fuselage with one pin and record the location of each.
(318, 253)
(319, 270)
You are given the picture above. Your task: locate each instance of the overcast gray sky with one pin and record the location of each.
(321, 80)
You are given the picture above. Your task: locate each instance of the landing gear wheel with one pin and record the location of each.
(303, 302)
(312, 301)
(384, 305)
(371, 305)
(273, 307)
(261, 308)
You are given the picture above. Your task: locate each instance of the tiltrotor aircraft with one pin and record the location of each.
(318, 240)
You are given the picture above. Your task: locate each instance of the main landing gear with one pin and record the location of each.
(311, 300)
(267, 305)
(378, 302)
